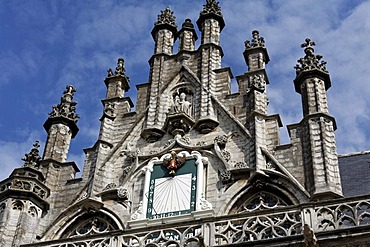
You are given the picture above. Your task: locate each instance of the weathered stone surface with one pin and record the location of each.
(248, 190)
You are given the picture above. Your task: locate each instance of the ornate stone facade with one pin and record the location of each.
(184, 169)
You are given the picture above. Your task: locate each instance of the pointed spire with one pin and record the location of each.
(310, 61)
(33, 158)
(256, 41)
(166, 17)
(66, 108)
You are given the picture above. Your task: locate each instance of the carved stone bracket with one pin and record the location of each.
(152, 134)
(179, 124)
(206, 125)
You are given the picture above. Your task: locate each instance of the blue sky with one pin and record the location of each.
(45, 45)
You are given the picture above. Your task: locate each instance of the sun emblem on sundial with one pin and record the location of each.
(173, 163)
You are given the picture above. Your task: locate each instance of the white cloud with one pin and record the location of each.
(75, 43)
(11, 152)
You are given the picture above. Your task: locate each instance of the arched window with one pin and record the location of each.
(90, 224)
(262, 200)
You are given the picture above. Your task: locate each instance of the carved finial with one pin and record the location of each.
(66, 108)
(256, 41)
(308, 43)
(70, 90)
(32, 158)
(310, 61)
(166, 17)
(211, 6)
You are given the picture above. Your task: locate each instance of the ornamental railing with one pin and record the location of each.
(341, 215)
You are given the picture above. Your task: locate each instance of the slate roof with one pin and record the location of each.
(355, 173)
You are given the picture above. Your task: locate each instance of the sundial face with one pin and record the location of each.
(169, 194)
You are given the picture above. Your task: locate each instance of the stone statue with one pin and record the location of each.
(120, 69)
(110, 72)
(175, 108)
(310, 239)
(185, 105)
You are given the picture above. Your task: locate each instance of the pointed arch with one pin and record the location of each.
(86, 217)
(90, 223)
(264, 192)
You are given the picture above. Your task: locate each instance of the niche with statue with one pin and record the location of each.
(180, 117)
